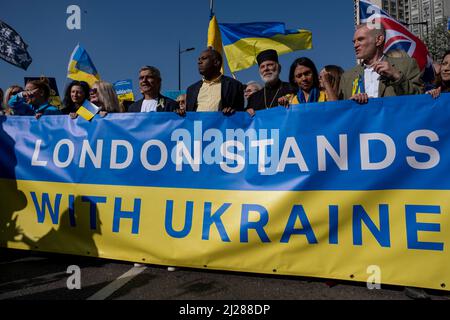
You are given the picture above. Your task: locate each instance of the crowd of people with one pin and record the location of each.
(378, 74)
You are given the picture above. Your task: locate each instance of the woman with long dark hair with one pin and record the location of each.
(76, 93)
(304, 77)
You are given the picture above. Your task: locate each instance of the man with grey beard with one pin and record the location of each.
(274, 88)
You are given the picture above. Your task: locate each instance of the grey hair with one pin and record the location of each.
(155, 71)
(254, 83)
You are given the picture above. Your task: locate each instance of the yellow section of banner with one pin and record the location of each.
(397, 237)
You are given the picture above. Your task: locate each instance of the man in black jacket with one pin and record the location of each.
(274, 88)
(215, 92)
(150, 86)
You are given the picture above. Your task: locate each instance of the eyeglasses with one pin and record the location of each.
(93, 91)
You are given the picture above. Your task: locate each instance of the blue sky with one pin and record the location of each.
(122, 36)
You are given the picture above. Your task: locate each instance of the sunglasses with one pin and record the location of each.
(93, 91)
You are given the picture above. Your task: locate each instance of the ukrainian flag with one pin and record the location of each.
(81, 67)
(243, 41)
(88, 110)
(214, 37)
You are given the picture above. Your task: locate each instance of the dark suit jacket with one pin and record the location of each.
(165, 104)
(232, 95)
(409, 83)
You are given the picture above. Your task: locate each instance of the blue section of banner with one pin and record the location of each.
(415, 128)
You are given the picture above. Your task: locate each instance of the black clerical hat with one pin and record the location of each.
(266, 55)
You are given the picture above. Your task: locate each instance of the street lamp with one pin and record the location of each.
(179, 62)
(425, 23)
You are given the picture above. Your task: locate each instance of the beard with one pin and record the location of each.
(271, 77)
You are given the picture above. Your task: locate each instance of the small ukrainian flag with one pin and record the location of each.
(88, 110)
(81, 67)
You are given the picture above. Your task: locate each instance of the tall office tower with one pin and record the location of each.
(425, 15)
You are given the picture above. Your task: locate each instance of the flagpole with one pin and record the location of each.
(357, 19)
(211, 8)
(357, 16)
(179, 65)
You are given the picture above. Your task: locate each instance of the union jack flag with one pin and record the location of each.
(397, 35)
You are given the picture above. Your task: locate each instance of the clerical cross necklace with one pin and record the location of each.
(265, 98)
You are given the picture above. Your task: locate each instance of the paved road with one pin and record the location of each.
(36, 276)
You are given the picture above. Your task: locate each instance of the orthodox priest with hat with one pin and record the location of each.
(274, 88)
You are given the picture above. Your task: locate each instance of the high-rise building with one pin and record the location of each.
(421, 16)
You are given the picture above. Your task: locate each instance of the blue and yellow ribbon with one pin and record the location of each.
(358, 86)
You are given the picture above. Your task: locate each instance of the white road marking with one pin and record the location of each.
(30, 285)
(23, 260)
(25, 281)
(117, 284)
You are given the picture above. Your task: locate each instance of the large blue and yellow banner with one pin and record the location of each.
(330, 190)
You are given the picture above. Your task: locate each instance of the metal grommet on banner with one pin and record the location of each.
(352, 276)
(443, 285)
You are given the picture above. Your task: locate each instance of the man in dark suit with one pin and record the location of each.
(215, 92)
(150, 86)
